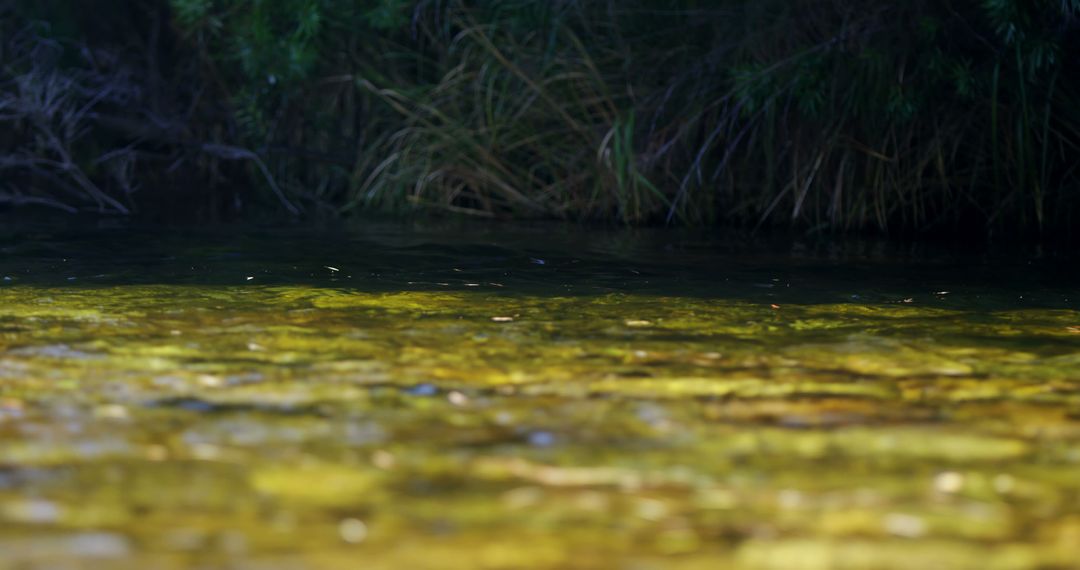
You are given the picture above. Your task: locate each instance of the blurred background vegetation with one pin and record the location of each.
(923, 116)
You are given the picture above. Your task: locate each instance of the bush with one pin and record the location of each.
(840, 115)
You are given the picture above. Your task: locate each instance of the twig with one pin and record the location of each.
(228, 152)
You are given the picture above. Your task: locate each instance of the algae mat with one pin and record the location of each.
(411, 400)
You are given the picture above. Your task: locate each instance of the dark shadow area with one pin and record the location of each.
(546, 259)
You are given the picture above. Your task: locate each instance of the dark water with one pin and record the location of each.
(533, 397)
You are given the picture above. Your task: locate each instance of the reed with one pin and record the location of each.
(823, 116)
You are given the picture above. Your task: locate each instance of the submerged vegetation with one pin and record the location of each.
(838, 115)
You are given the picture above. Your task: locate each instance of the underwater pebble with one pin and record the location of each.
(522, 497)
(364, 433)
(1004, 483)
(906, 526)
(205, 451)
(651, 509)
(11, 408)
(789, 499)
(949, 482)
(422, 390)
(156, 453)
(55, 351)
(175, 383)
(185, 539)
(98, 545)
(651, 413)
(30, 551)
(353, 531)
(457, 398)
(112, 412)
(383, 459)
(31, 511)
(245, 378)
(541, 439)
(233, 543)
(592, 501)
(720, 499)
(210, 381)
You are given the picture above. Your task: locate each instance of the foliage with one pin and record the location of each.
(842, 115)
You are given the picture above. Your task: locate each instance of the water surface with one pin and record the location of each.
(533, 397)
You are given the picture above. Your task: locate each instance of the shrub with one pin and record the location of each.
(839, 115)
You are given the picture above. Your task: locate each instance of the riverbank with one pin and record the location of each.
(840, 118)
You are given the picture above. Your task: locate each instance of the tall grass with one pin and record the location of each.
(837, 115)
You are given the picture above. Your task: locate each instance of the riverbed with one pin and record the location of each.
(533, 397)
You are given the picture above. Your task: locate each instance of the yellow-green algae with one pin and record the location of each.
(249, 426)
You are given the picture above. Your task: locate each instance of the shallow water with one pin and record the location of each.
(534, 397)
